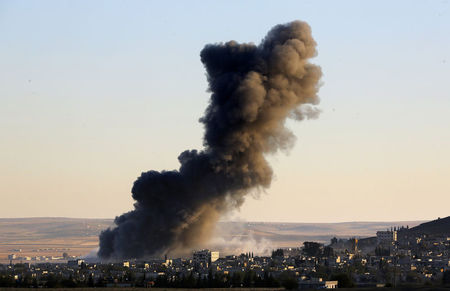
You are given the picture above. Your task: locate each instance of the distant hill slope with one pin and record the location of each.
(38, 228)
(14, 229)
(439, 226)
(280, 229)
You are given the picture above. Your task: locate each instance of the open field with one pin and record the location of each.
(38, 237)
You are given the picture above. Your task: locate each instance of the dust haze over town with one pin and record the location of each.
(267, 131)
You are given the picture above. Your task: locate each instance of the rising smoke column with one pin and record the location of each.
(254, 89)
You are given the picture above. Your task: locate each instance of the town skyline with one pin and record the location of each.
(402, 256)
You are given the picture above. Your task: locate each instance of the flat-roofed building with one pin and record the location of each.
(386, 237)
(204, 258)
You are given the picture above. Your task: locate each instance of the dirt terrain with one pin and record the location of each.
(48, 237)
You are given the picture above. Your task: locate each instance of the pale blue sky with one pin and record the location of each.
(92, 93)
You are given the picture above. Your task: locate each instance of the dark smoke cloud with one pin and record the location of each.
(253, 90)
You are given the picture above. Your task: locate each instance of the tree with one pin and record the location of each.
(236, 279)
(328, 251)
(53, 282)
(288, 280)
(273, 282)
(343, 279)
(210, 278)
(34, 284)
(68, 283)
(290, 283)
(446, 278)
(249, 278)
(266, 280)
(26, 281)
(312, 249)
(199, 283)
(91, 281)
(6, 281)
(413, 277)
(277, 253)
(190, 281)
(380, 251)
(161, 281)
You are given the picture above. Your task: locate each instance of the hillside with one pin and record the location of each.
(440, 226)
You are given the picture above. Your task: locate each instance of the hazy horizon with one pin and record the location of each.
(236, 220)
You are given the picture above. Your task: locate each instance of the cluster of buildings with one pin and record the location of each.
(17, 256)
(413, 256)
(394, 257)
(32, 259)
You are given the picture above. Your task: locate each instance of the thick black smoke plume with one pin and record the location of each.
(253, 90)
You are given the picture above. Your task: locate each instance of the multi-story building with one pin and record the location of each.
(204, 258)
(386, 237)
